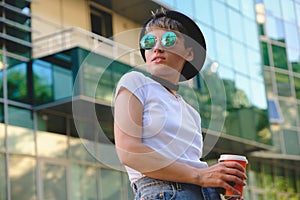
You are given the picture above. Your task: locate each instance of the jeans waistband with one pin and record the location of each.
(146, 180)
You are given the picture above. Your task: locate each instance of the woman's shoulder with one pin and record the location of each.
(134, 78)
(135, 82)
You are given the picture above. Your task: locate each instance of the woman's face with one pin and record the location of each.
(163, 60)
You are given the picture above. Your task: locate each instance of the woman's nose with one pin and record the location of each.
(158, 47)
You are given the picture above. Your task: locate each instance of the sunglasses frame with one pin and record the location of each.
(162, 39)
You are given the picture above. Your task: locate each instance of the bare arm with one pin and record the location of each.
(133, 153)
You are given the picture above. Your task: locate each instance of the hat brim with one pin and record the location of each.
(196, 41)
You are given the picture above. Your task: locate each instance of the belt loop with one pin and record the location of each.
(178, 186)
(134, 187)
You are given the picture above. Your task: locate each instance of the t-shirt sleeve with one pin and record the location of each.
(135, 83)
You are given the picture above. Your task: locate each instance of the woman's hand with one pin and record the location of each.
(221, 174)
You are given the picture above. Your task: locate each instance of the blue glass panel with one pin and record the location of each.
(243, 94)
(239, 57)
(226, 73)
(272, 8)
(275, 28)
(236, 25)
(297, 8)
(293, 57)
(203, 11)
(210, 41)
(168, 2)
(258, 97)
(254, 64)
(288, 10)
(234, 3)
(251, 34)
(186, 7)
(220, 17)
(224, 49)
(274, 111)
(247, 8)
(291, 36)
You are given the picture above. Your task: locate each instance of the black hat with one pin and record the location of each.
(192, 68)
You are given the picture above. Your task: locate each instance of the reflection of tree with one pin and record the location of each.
(17, 84)
(236, 98)
(241, 118)
(42, 90)
(296, 66)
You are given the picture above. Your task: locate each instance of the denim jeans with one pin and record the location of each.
(151, 189)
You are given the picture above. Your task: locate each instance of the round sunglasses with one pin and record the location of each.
(167, 40)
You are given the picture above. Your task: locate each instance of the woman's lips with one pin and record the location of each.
(158, 59)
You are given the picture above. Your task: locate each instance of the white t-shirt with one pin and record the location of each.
(170, 125)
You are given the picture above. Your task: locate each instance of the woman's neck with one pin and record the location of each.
(166, 83)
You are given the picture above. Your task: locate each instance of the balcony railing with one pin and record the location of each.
(78, 37)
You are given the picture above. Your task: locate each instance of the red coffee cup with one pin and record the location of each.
(234, 158)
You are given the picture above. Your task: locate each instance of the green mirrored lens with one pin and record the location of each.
(168, 39)
(148, 42)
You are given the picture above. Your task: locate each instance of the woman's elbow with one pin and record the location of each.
(124, 157)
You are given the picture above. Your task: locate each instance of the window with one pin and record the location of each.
(22, 182)
(111, 184)
(274, 111)
(42, 80)
(20, 131)
(291, 139)
(265, 53)
(3, 177)
(2, 131)
(84, 182)
(54, 180)
(17, 82)
(48, 78)
(283, 84)
(101, 22)
(279, 57)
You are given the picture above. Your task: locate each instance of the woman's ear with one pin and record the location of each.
(189, 54)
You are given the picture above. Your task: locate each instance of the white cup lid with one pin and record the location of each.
(233, 157)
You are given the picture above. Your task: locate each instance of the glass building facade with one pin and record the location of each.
(60, 61)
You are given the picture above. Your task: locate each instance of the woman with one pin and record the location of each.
(157, 134)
